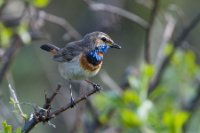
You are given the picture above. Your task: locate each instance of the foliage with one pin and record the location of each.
(40, 3)
(162, 111)
(19, 26)
(8, 128)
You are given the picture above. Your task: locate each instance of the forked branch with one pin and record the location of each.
(45, 114)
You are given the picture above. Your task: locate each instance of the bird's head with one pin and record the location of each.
(99, 43)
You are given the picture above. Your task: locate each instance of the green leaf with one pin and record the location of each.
(40, 3)
(130, 96)
(179, 120)
(134, 82)
(129, 118)
(168, 118)
(190, 62)
(175, 120)
(148, 70)
(1, 2)
(25, 116)
(168, 49)
(159, 91)
(18, 130)
(7, 128)
(103, 119)
(24, 34)
(5, 35)
(101, 101)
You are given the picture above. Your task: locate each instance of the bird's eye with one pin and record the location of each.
(104, 39)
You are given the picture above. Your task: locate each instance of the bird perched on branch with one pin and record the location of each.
(82, 59)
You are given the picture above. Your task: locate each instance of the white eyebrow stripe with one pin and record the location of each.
(107, 38)
(102, 35)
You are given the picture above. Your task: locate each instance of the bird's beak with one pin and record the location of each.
(114, 45)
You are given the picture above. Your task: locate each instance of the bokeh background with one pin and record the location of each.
(123, 106)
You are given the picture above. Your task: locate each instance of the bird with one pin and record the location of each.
(82, 59)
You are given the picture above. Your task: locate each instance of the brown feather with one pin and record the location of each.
(88, 66)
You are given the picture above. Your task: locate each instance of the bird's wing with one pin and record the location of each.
(70, 51)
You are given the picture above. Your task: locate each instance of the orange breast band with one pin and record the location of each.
(88, 66)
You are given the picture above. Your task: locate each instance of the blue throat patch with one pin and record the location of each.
(93, 56)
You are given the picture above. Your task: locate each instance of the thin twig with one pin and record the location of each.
(48, 100)
(40, 115)
(177, 42)
(45, 114)
(63, 23)
(96, 6)
(69, 105)
(14, 96)
(149, 31)
(2, 7)
(191, 107)
(110, 82)
(7, 57)
(167, 35)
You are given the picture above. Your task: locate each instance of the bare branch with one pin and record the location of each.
(69, 105)
(182, 36)
(3, 6)
(63, 23)
(14, 96)
(96, 6)
(110, 82)
(45, 114)
(8, 55)
(48, 100)
(149, 30)
(191, 107)
(40, 115)
(167, 35)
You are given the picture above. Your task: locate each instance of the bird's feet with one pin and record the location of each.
(95, 86)
(72, 102)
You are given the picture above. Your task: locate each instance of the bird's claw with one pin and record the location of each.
(72, 102)
(97, 87)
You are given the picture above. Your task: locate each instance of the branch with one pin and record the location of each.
(45, 114)
(16, 101)
(191, 107)
(194, 102)
(38, 116)
(149, 31)
(69, 105)
(185, 32)
(63, 23)
(3, 6)
(96, 124)
(167, 35)
(8, 56)
(96, 6)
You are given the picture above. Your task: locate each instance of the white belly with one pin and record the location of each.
(72, 70)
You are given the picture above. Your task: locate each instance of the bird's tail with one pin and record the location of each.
(50, 48)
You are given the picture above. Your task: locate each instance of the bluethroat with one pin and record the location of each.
(82, 59)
